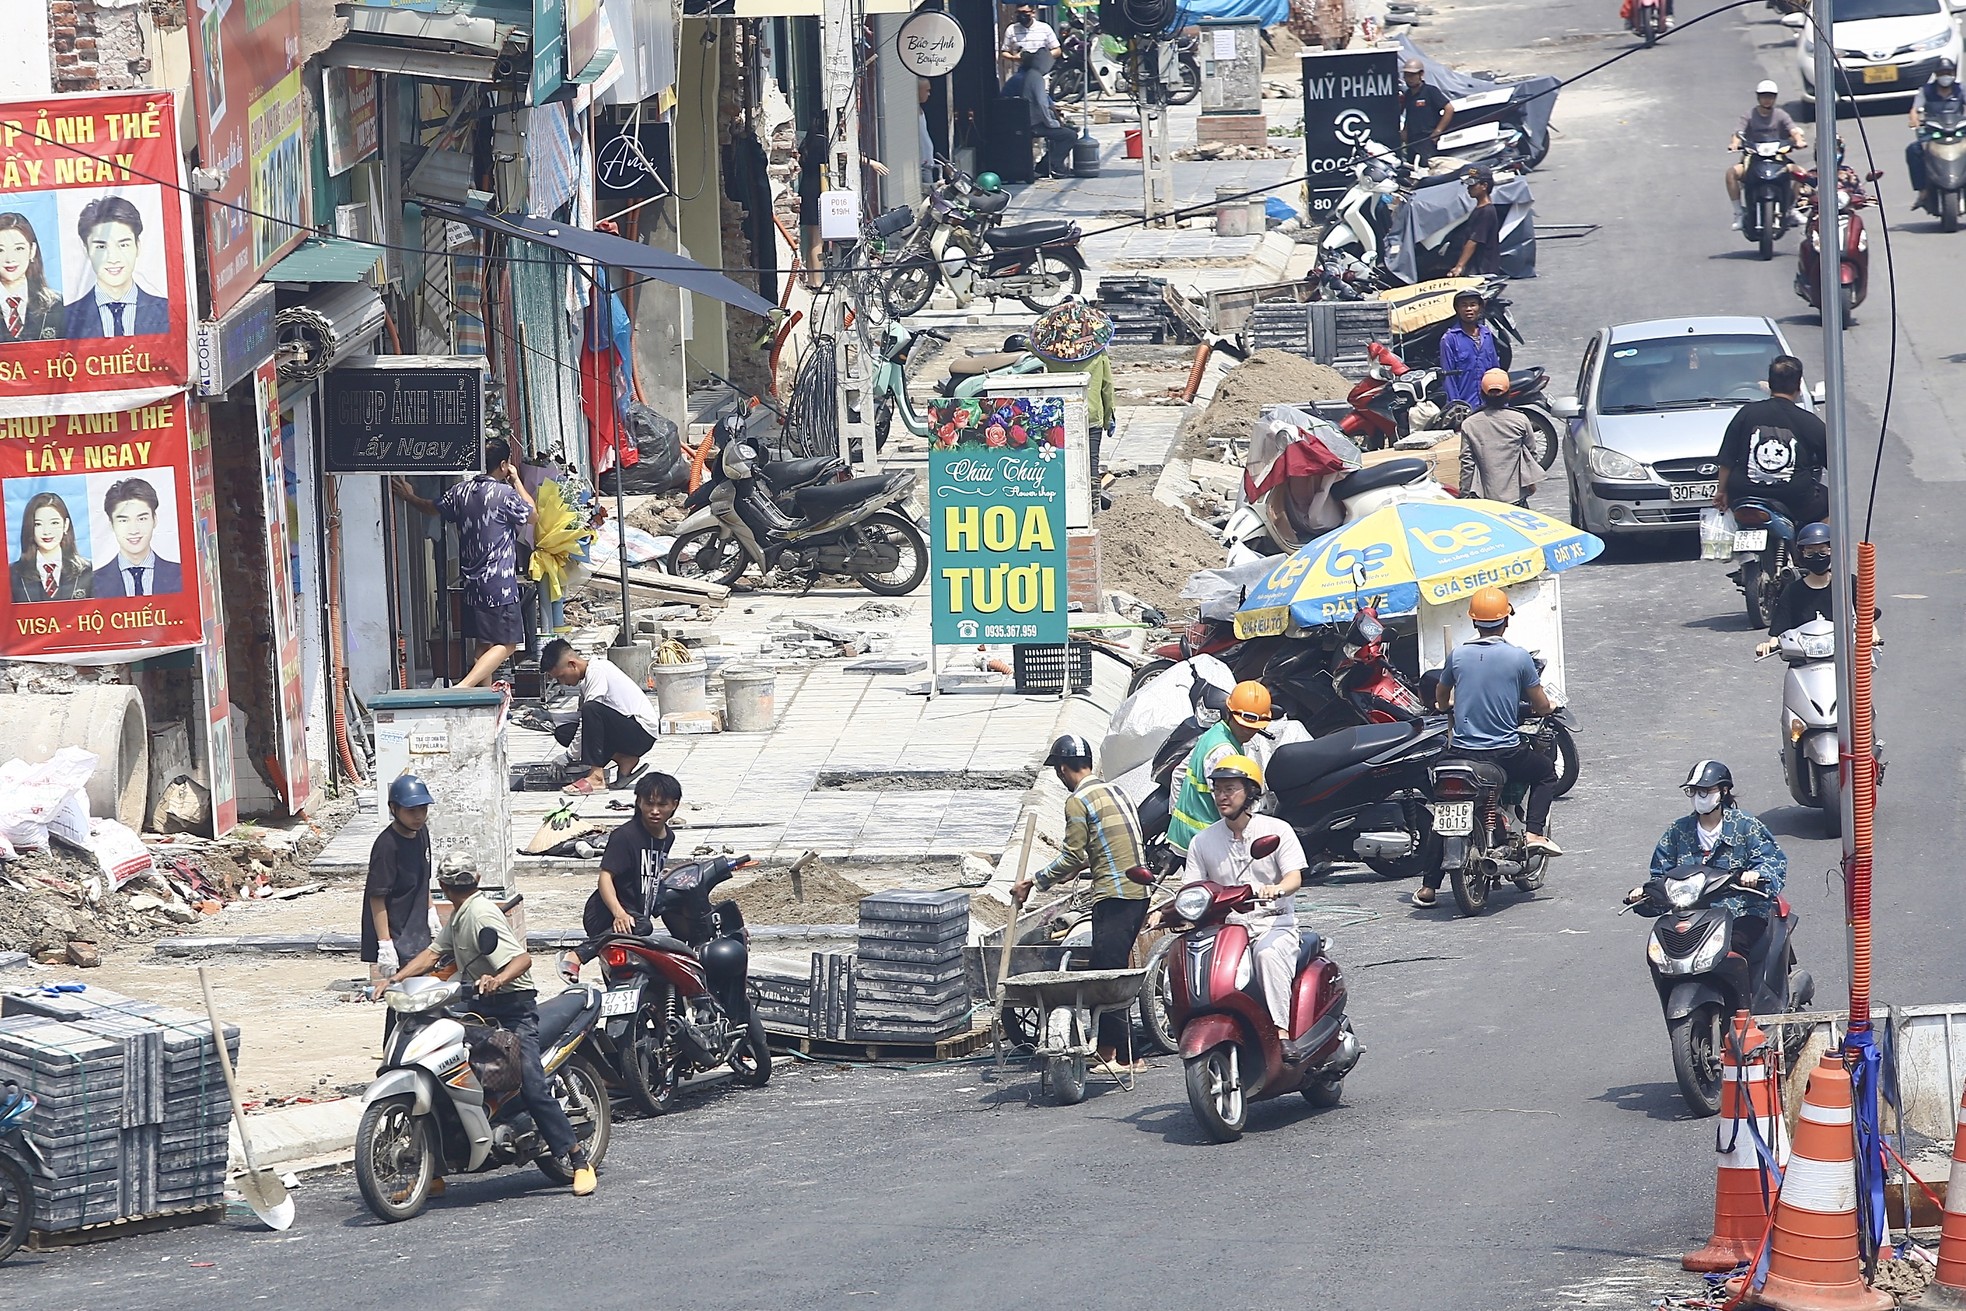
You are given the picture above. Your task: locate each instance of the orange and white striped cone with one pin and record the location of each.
(1744, 1188)
(1813, 1263)
(1948, 1288)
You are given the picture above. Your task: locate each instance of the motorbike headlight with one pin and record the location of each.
(1655, 953)
(1681, 893)
(1191, 902)
(1708, 955)
(1615, 465)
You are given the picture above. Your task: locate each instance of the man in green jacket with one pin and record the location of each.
(1193, 805)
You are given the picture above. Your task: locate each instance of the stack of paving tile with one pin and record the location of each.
(783, 1002)
(830, 995)
(142, 1085)
(908, 983)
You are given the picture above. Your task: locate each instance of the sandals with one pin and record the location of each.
(583, 787)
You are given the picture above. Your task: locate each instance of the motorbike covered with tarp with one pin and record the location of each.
(1535, 95)
(1429, 216)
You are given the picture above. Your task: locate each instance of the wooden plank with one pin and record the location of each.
(944, 1049)
(669, 586)
(40, 1240)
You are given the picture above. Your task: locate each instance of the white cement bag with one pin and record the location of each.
(50, 795)
(119, 851)
(1143, 721)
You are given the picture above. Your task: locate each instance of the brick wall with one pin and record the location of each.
(101, 45)
(1084, 581)
(1233, 130)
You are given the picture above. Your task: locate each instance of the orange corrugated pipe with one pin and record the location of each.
(1863, 785)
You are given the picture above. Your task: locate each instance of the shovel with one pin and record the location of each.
(262, 1188)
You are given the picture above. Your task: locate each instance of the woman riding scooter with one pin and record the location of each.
(1722, 835)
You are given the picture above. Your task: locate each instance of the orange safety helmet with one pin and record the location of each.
(1495, 382)
(1249, 704)
(1489, 608)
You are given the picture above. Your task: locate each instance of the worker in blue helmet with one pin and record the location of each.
(396, 901)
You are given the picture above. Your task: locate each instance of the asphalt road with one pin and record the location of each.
(1513, 1138)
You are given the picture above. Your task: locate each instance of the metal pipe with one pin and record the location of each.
(1829, 296)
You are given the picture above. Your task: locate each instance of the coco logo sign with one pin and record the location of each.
(930, 43)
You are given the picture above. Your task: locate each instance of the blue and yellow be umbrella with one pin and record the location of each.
(1395, 558)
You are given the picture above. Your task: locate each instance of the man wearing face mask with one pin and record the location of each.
(1807, 597)
(1722, 835)
(1940, 97)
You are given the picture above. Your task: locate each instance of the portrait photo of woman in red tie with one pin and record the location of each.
(48, 564)
(30, 310)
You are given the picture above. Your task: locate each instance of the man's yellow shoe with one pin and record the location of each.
(583, 1180)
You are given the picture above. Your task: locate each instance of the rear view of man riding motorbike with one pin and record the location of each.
(1486, 683)
(1775, 450)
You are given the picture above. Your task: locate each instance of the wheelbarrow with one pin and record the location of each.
(1070, 1002)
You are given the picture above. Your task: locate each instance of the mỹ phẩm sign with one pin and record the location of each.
(996, 512)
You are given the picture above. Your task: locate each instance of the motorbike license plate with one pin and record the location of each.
(1750, 539)
(621, 1001)
(1694, 491)
(1453, 819)
(1881, 73)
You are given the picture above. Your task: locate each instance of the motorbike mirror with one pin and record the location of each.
(1265, 846)
(1819, 393)
(1875, 174)
(1794, 22)
(487, 940)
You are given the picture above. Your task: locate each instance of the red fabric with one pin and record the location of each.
(1625, 11)
(1307, 457)
(608, 440)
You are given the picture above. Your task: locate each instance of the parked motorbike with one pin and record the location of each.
(1473, 804)
(1228, 1043)
(427, 1114)
(859, 528)
(1394, 395)
(1702, 979)
(1942, 136)
(1503, 105)
(1360, 793)
(676, 1003)
(1039, 263)
(1763, 537)
(967, 377)
(1767, 193)
(1810, 757)
(1487, 133)
(1111, 68)
(20, 1161)
(1853, 253)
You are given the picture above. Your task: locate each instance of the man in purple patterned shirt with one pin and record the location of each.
(488, 510)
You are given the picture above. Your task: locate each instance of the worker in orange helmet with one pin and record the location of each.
(1486, 683)
(1192, 807)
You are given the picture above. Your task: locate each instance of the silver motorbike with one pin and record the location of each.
(428, 1115)
(1808, 723)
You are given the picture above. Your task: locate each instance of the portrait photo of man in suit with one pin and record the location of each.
(136, 569)
(111, 230)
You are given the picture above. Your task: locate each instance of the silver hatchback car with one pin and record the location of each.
(1653, 400)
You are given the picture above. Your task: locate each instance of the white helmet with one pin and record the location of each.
(1768, 88)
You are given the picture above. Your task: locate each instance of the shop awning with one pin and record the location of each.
(783, 8)
(614, 252)
(326, 259)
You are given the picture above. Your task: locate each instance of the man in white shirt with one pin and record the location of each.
(617, 724)
(1220, 853)
(1028, 36)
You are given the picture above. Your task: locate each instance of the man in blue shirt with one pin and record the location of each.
(1486, 683)
(1467, 350)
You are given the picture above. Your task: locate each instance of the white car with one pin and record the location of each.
(1885, 47)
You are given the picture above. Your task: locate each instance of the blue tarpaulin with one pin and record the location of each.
(1269, 13)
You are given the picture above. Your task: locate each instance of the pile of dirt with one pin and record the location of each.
(828, 899)
(49, 899)
(1270, 377)
(1149, 549)
(658, 515)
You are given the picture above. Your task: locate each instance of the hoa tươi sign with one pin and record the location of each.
(996, 497)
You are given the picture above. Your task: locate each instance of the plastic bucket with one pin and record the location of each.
(680, 689)
(1136, 146)
(750, 699)
(1231, 212)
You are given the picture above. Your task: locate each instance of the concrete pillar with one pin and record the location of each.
(699, 180)
(899, 118)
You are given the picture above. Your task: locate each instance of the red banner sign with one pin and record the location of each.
(94, 298)
(101, 545)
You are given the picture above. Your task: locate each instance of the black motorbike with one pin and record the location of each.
(1703, 977)
(677, 1001)
(20, 1161)
(1478, 814)
(1764, 536)
(1767, 193)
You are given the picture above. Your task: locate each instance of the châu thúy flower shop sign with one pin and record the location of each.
(996, 496)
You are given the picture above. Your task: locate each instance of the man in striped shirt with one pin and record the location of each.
(1102, 843)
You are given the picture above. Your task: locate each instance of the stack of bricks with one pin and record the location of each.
(1084, 583)
(1233, 130)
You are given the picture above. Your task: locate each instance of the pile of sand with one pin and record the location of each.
(1148, 550)
(828, 899)
(1270, 377)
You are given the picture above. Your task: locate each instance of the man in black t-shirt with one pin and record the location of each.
(1424, 113)
(631, 863)
(1775, 450)
(1480, 234)
(396, 899)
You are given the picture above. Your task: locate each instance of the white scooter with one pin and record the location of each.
(1808, 723)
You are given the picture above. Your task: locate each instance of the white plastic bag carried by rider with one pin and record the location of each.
(1716, 534)
(34, 798)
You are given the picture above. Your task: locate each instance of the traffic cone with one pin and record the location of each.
(1744, 1189)
(1813, 1262)
(1948, 1288)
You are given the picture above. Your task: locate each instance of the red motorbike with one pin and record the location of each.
(1383, 400)
(1853, 254)
(1228, 1043)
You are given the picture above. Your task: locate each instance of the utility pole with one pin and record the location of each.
(839, 31)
